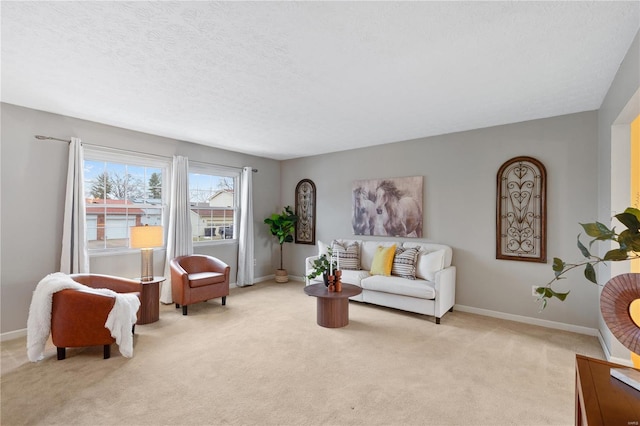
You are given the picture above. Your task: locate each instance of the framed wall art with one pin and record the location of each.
(388, 207)
(521, 211)
(306, 212)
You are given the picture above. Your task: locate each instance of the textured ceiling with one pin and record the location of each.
(290, 79)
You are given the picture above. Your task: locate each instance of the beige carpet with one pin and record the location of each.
(262, 360)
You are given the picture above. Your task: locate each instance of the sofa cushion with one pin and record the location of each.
(200, 279)
(354, 277)
(383, 260)
(346, 255)
(404, 262)
(428, 264)
(398, 285)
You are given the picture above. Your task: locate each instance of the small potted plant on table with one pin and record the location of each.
(323, 266)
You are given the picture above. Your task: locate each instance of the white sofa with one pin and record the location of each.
(432, 292)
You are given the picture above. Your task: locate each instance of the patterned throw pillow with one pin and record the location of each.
(383, 260)
(404, 262)
(348, 253)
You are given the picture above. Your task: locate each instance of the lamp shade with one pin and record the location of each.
(145, 236)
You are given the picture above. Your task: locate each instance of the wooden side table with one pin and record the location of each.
(149, 300)
(602, 399)
(333, 306)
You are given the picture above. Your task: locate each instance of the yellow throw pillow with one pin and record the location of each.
(383, 260)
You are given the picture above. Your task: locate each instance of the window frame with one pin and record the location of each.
(130, 158)
(234, 173)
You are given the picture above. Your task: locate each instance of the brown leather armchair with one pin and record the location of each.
(198, 278)
(78, 318)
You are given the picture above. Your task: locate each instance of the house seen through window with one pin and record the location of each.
(121, 191)
(213, 203)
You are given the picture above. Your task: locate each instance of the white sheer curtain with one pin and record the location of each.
(75, 256)
(245, 240)
(179, 239)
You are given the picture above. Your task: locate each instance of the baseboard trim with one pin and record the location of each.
(627, 362)
(528, 320)
(10, 335)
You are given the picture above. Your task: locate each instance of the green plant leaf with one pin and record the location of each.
(597, 230)
(558, 266)
(590, 273)
(582, 248)
(633, 211)
(548, 293)
(629, 241)
(630, 221)
(544, 304)
(616, 255)
(560, 296)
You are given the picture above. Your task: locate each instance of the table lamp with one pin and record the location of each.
(146, 238)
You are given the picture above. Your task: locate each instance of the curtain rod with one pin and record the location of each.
(52, 138)
(69, 141)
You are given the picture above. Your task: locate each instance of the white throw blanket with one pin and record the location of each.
(119, 322)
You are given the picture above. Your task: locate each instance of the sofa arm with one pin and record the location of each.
(78, 318)
(117, 284)
(445, 290)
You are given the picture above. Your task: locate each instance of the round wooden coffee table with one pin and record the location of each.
(333, 307)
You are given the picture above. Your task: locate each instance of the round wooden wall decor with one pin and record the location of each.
(616, 298)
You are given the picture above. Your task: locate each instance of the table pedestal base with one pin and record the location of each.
(333, 313)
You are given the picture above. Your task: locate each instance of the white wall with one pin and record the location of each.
(620, 106)
(33, 179)
(460, 202)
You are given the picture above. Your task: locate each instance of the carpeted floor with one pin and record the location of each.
(262, 360)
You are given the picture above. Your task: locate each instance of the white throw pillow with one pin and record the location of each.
(322, 248)
(429, 263)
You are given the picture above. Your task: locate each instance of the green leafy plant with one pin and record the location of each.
(281, 226)
(322, 265)
(629, 248)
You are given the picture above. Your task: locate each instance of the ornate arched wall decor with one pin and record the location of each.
(306, 211)
(521, 211)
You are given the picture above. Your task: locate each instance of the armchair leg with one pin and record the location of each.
(62, 353)
(451, 310)
(107, 351)
(184, 310)
(177, 306)
(437, 320)
(224, 300)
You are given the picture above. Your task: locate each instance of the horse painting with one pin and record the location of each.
(401, 214)
(364, 212)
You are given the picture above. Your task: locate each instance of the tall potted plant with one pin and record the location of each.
(281, 226)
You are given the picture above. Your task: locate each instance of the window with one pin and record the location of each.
(122, 190)
(214, 203)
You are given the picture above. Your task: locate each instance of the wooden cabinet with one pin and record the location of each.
(602, 399)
